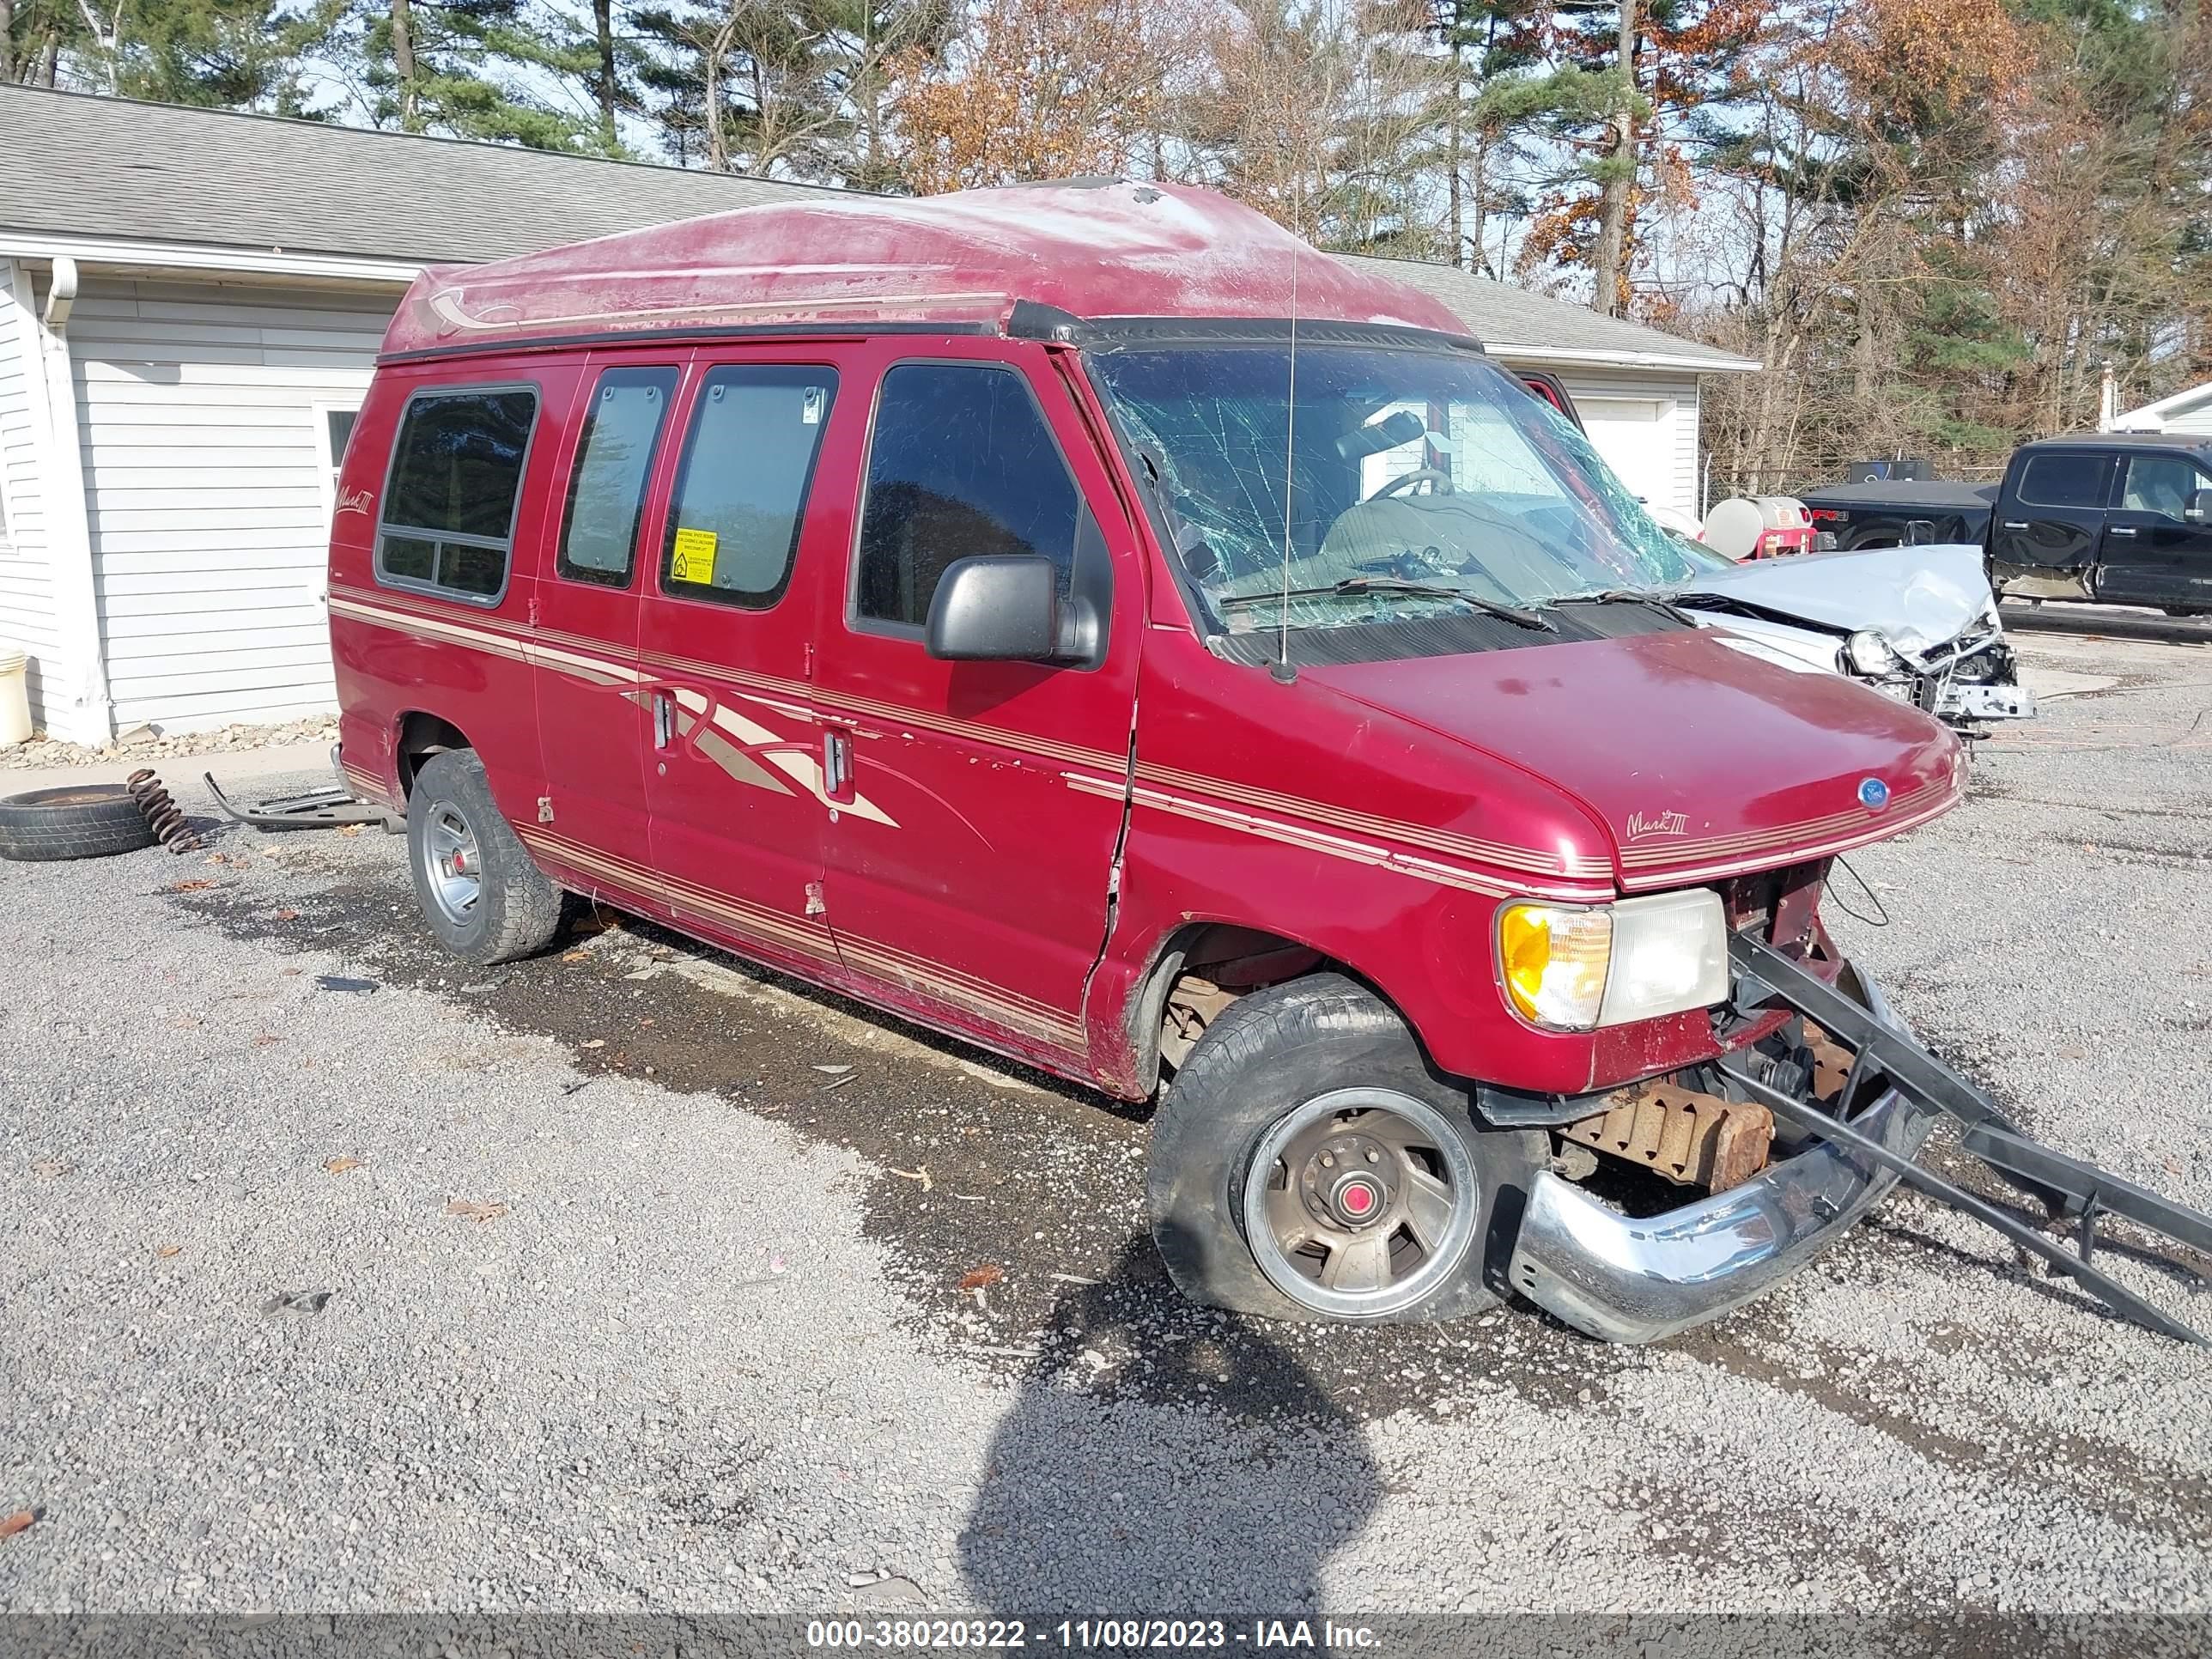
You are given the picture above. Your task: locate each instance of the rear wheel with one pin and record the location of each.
(1307, 1164)
(479, 890)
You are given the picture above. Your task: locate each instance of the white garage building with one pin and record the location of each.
(2188, 412)
(191, 302)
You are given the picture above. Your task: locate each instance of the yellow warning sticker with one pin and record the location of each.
(694, 557)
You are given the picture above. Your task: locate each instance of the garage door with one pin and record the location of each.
(1635, 436)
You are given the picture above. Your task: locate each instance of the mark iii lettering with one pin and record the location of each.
(1640, 824)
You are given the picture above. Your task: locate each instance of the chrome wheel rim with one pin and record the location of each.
(1360, 1202)
(451, 868)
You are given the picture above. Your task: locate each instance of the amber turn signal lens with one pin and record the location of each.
(1553, 959)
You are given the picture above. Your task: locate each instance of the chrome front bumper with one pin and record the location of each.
(1627, 1279)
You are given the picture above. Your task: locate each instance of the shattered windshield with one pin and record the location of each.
(1397, 479)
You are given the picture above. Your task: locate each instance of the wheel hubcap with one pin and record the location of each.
(450, 864)
(1360, 1202)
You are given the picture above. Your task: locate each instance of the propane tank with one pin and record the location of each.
(1759, 527)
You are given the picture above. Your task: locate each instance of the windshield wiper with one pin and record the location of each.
(1631, 596)
(1357, 585)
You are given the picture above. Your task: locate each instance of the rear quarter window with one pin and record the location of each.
(449, 505)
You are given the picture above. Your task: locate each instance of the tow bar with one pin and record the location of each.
(317, 809)
(2065, 1186)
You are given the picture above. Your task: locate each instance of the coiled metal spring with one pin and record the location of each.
(166, 818)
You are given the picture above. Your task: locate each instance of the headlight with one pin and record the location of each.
(1578, 968)
(1867, 652)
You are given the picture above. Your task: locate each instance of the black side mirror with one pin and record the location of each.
(2199, 507)
(995, 609)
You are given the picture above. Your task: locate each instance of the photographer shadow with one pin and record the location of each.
(1216, 1480)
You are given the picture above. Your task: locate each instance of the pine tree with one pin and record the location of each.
(466, 68)
(222, 54)
(747, 86)
(1632, 86)
(34, 35)
(1488, 44)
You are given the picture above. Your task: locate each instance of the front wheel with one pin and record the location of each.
(479, 890)
(1307, 1164)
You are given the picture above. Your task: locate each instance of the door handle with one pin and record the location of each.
(2121, 529)
(2015, 524)
(664, 719)
(837, 764)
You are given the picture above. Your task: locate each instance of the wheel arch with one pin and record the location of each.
(1247, 956)
(421, 734)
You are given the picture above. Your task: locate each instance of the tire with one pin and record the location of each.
(482, 894)
(77, 821)
(1312, 1064)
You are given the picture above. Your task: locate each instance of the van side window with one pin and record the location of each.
(2063, 480)
(606, 487)
(962, 464)
(741, 488)
(449, 508)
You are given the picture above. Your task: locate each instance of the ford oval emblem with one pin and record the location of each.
(1874, 794)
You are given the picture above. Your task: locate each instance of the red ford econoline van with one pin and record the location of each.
(1087, 621)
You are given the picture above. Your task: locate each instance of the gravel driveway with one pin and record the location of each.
(629, 1278)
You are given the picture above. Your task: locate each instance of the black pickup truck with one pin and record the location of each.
(2116, 518)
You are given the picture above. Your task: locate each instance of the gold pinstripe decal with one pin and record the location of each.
(1674, 860)
(1383, 858)
(741, 917)
(1440, 841)
(534, 649)
(1672, 852)
(795, 697)
(907, 962)
(1744, 863)
(994, 1003)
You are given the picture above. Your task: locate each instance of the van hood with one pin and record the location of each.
(1700, 762)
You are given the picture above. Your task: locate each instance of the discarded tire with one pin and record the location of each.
(77, 821)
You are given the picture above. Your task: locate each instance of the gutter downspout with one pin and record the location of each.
(61, 295)
(84, 713)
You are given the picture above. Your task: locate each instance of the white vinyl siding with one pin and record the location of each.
(2196, 421)
(2187, 413)
(27, 595)
(1645, 425)
(202, 407)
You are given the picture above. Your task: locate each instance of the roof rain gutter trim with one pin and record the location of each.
(1602, 357)
(97, 251)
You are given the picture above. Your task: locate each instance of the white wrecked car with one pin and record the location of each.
(1918, 623)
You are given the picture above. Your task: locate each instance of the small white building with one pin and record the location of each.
(2189, 412)
(190, 304)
